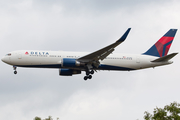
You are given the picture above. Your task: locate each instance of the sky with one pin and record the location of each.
(86, 25)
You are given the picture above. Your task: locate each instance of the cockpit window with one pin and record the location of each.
(9, 54)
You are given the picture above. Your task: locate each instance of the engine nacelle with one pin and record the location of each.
(69, 62)
(68, 72)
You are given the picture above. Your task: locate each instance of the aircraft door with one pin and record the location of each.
(137, 60)
(19, 55)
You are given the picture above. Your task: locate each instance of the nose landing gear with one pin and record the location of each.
(14, 68)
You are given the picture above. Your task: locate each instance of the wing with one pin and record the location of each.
(93, 58)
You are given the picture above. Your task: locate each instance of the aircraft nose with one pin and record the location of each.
(3, 59)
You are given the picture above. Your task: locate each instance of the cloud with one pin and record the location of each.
(89, 105)
(86, 26)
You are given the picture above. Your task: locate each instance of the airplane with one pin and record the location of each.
(72, 63)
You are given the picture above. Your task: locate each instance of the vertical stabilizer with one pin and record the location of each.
(162, 46)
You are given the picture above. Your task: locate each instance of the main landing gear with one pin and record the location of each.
(88, 76)
(14, 67)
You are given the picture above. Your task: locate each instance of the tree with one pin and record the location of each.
(169, 112)
(49, 118)
(37, 118)
(147, 116)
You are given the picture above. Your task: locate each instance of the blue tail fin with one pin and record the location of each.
(162, 46)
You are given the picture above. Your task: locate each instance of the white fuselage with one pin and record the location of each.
(53, 59)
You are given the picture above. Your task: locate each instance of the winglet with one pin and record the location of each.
(124, 36)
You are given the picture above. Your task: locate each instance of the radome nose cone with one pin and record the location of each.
(3, 59)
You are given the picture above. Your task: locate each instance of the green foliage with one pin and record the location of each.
(49, 118)
(174, 110)
(37, 118)
(169, 112)
(147, 116)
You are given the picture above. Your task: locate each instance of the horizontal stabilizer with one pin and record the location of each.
(165, 58)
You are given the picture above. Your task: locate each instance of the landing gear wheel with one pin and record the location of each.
(90, 76)
(15, 72)
(14, 67)
(92, 72)
(85, 78)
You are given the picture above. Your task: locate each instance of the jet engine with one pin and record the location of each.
(69, 62)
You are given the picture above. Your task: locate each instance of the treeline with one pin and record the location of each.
(169, 112)
(49, 118)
